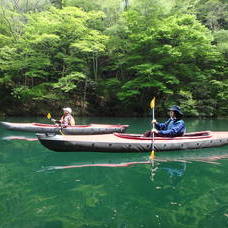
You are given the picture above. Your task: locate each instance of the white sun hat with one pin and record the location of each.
(69, 110)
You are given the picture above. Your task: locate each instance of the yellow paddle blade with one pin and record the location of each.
(152, 155)
(49, 115)
(152, 103)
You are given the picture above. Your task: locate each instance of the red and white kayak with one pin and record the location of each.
(90, 129)
(118, 142)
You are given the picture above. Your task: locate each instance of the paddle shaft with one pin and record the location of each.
(153, 125)
(152, 105)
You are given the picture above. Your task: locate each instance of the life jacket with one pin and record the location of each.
(67, 120)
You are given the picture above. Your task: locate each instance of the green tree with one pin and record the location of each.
(213, 13)
(115, 54)
(161, 57)
(50, 51)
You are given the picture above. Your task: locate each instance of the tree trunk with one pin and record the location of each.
(84, 97)
(95, 67)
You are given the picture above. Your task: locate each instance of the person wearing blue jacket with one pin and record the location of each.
(173, 127)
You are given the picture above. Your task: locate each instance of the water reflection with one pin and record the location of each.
(169, 166)
(176, 171)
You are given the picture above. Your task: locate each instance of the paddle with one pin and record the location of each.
(49, 117)
(152, 105)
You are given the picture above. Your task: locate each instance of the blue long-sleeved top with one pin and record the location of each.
(171, 128)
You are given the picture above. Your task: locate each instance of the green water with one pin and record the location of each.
(180, 189)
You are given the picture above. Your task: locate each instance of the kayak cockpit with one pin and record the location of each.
(192, 135)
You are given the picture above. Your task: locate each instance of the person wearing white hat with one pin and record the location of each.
(67, 119)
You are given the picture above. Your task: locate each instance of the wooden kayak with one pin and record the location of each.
(118, 142)
(71, 130)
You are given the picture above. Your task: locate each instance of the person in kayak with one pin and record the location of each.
(173, 127)
(67, 119)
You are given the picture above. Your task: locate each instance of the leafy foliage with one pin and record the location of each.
(115, 53)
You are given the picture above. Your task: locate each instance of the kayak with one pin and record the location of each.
(119, 142)
(69, 130)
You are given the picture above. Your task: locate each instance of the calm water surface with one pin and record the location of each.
(179, 189)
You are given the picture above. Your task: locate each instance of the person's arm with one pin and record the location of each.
(56, 122)
(72, 121)
(162, 126)
(69, 121)
(63, 122)
(177, 130)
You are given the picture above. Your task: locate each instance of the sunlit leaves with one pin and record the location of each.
(125, 49)
(221, 38)
(45, 41)
(56, 45)
(69, 82)
(94, 42)
(188, 103)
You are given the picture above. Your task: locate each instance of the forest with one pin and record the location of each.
(110, 58)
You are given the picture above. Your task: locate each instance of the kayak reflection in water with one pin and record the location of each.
(173, 127)
(67, 119)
